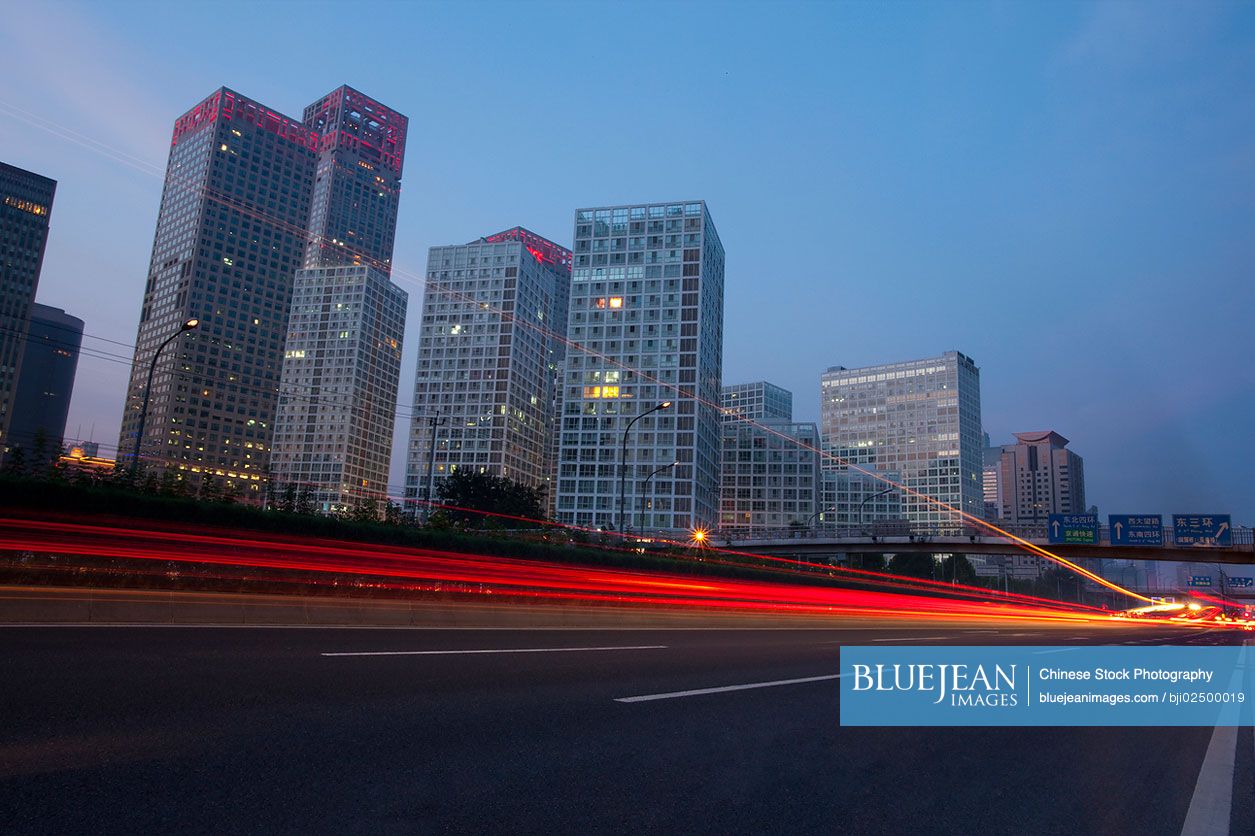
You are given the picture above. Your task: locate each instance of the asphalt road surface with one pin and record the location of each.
(117, 729)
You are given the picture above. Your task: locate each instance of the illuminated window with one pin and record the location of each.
(616, 301)
(601, 303)
(592, 391)
(610, 391)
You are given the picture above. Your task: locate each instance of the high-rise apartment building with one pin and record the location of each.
(25, 210)
(760, 401)
(919, 419)
(1036, 477)
(646, 328)
(230, 237)
(47, 378)
(342, 355)
(338, 395)
(488, 353)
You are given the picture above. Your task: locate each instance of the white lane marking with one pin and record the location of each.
(913, 639)
(721, 689)
(1211, 806)
(498, 650)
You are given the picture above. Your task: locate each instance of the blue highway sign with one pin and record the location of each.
(1200, 580)
(1136, 529)
(1073, 528)
(1207, 530)
(1240, 583)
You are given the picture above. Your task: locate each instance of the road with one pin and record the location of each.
(134, 729)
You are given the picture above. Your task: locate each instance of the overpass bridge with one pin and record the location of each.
(902, 538)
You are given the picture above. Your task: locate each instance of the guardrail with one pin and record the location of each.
(1241, 535)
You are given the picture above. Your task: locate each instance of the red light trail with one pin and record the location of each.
(511, 577)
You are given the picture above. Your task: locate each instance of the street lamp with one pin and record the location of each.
(152, 367)
(645, 487)
(623, 459)
(815, 515)
(868, 499)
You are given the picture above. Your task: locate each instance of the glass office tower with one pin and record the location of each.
(919, 419)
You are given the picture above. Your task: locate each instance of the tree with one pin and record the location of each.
(958, 568)
(479, 495)
(43, 454)
(913, 565)
(365, 510)
(15, 462)
(391, 513)
(870, 562)
(305, 500)
(287, 502)
(171, 484)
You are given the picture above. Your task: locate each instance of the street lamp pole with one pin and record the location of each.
(152, 367)
(868, 499)
(623, 459)
(645, 488)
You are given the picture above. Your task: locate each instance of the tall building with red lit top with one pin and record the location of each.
(491, 342)
(231, 234)
(357, 190)
(342, 356)
(251, 196)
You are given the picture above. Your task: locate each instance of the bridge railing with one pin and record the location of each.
(904, 530)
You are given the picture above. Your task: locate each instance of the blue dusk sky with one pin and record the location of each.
(1064, 192)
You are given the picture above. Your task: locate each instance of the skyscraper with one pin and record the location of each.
(919, 419)
(25, 210)
(47, 378)
(1038, 476)
(770, 471)
(230, 237)
(338, 396)
(488, 352)
(357, 193)
(245, 186)
(646, 327)
(342, 355)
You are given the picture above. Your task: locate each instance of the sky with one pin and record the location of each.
(1063, 192)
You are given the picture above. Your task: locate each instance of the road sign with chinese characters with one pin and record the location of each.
(1239, 582)
(1073, 528)
(1206, 530)
(1136, 529)
(1200, 580)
